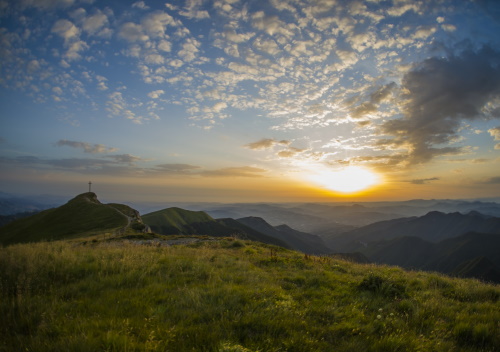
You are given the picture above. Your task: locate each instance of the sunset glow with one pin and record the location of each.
(348, 180)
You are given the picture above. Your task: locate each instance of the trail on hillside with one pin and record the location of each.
(122, 230)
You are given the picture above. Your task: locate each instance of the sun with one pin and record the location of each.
(348, 180)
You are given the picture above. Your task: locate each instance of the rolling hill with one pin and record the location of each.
(177, 221)
(173, 221)
(83, 215)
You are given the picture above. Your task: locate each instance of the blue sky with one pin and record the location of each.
(233, 100)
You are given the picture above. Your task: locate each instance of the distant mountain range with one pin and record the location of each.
(336, 218)
(434, 226)
(457, 244)
(454, 243)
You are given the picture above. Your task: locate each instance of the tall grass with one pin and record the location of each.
(231, 295)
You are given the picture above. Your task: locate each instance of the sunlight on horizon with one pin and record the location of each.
(348, 180)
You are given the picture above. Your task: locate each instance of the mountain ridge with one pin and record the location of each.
(433, 226)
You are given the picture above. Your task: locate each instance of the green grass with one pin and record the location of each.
(231, 295)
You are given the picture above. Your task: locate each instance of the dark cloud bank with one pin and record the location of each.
(438, 95)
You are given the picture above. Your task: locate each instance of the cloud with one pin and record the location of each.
(422, 181)
(266, 143)
(244, 171)
(267, 46)
(192, 10)
(189, 49)
(125, 158)
(140, 5)
(132, 32)
(176, 168)
(87, 147)
(437, 96)
(380, 95)
(74, 49)
(156, 93)
(71, 35)
(495, 133)
(65, 29)
(77, 163)
(290, 152)
(493, 180)
(117, 106)
(94, 23)
(164, 45)
(401, 7)
(155, 24)
(70, 164)
(269, 24)
(218, 107)
(449, 27)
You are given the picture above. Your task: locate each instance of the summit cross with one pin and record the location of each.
(90, 185)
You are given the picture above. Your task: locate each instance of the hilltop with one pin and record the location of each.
(82, 216)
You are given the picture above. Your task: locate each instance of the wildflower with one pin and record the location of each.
(379, 316)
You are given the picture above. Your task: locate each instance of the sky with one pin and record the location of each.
(251, 101)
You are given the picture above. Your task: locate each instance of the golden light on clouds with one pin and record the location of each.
(350, 179)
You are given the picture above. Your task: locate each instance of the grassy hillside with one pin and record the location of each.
(83, 215)
(174, 220)
(231, 295)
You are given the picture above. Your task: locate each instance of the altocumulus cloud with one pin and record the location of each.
(437, 96)
(495, 133)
